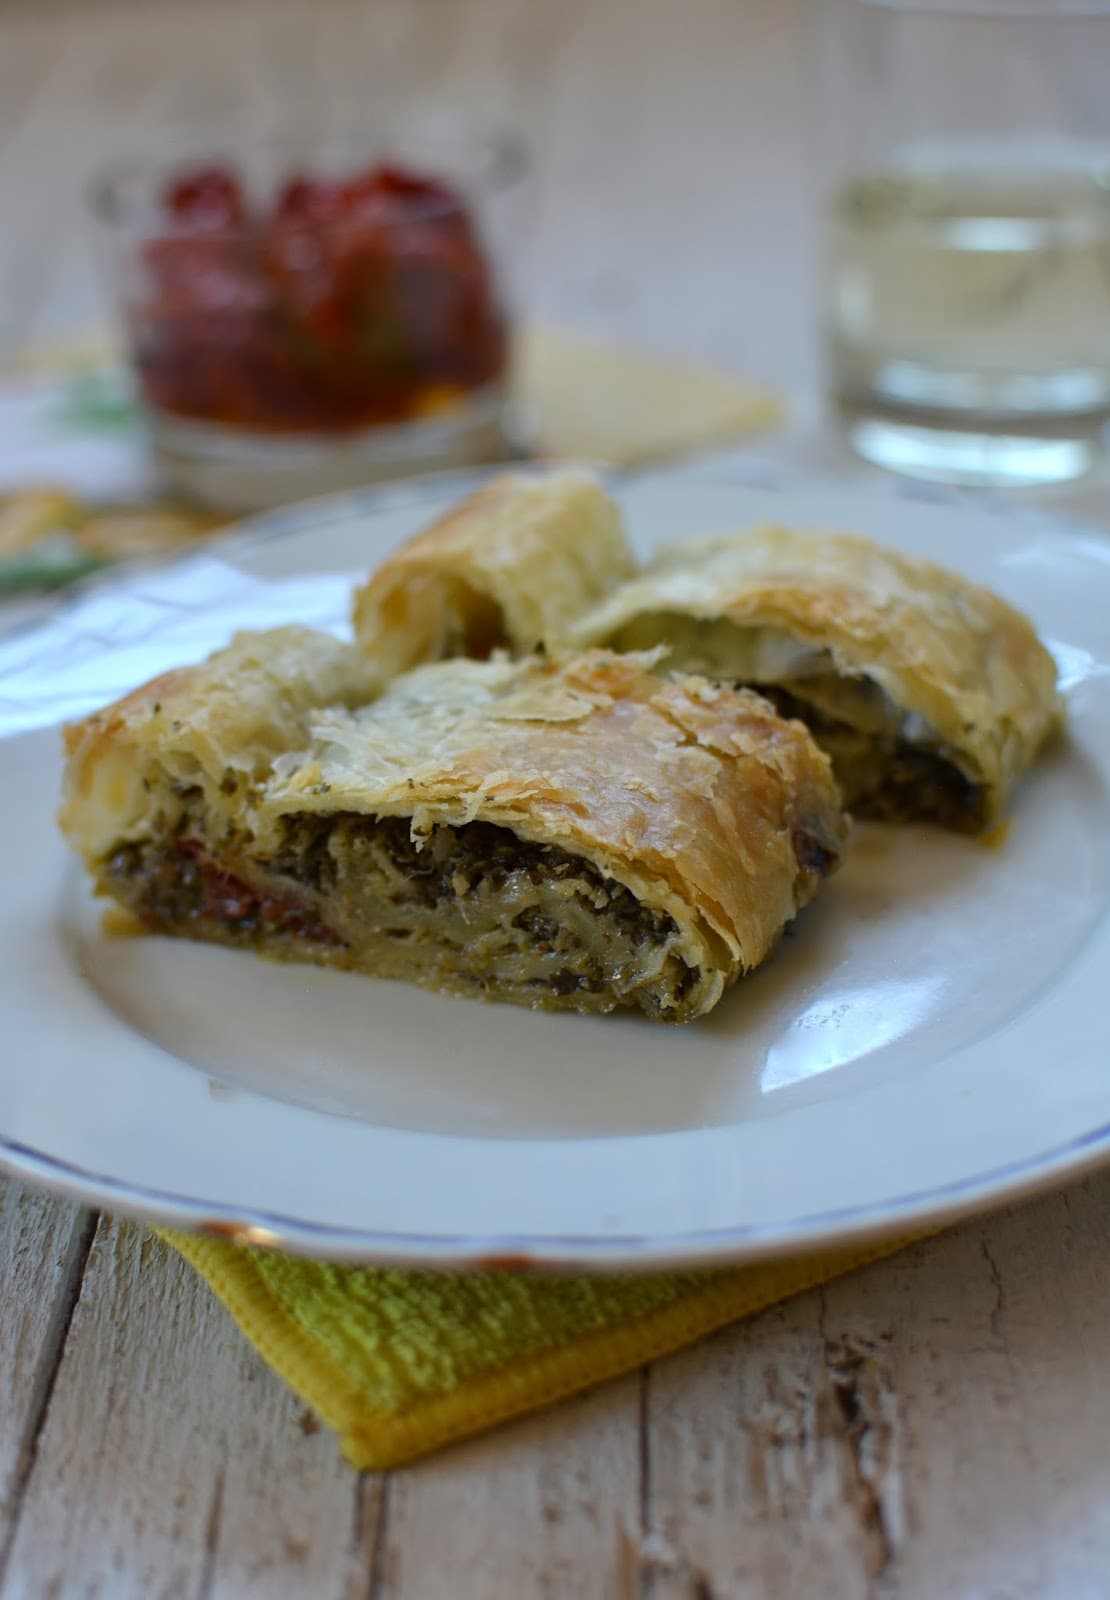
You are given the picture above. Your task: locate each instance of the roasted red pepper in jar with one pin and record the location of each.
(342, 305)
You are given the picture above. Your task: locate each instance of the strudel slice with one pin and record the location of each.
(585, 835)
(930, 694)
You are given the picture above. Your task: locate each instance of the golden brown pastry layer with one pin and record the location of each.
(505, 569)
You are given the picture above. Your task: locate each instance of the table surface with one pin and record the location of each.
(933, 1426)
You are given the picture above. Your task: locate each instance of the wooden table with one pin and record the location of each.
(935, 1426)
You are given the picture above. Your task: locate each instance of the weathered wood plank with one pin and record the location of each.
(998, 1357)
(542, 1509)
(171, 1462)
(901, 1430)
(934, 1425)
(750, 1442)
(43, 1246)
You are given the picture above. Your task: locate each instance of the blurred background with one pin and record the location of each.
(890, 216)
(666, 141)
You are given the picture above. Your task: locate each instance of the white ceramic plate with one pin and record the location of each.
(931, 1037)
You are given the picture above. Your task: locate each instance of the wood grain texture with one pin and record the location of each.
(172, 1462)
(43, 1248)
(546, 1508)
(931, 1426)
(746, 1446)
(934, 1426)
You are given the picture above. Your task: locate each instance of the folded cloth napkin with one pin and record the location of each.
(400, 1363)
(587, 398)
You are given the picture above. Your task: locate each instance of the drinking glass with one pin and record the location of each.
(966, 276)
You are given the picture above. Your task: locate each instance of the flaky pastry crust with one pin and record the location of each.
(505, 569)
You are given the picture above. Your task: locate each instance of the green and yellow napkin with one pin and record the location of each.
(401, 1363)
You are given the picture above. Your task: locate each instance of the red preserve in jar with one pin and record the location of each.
(341, 305)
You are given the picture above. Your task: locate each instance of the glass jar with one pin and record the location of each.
(304, 318)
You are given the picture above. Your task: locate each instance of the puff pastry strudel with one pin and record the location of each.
(505, 569)
(580, 836)
(930, 694)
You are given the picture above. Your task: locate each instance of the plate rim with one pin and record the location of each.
(909, 1217)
